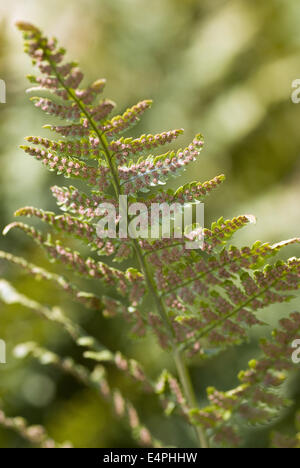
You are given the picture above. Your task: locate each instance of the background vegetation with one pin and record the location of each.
(223, 68)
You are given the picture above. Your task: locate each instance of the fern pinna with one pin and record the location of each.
(196, 301)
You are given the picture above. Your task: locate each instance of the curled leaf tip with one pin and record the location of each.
(7, 229)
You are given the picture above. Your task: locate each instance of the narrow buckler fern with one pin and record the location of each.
(197, 302)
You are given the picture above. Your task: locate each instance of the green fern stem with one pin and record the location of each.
(178, 357)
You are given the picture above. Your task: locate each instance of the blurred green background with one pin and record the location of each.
(224, 68)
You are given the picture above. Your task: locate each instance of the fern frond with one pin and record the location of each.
(197, 301)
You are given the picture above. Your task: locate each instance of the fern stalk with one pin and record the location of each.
(178, 358)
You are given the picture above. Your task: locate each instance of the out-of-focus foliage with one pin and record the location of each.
(222, 68)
